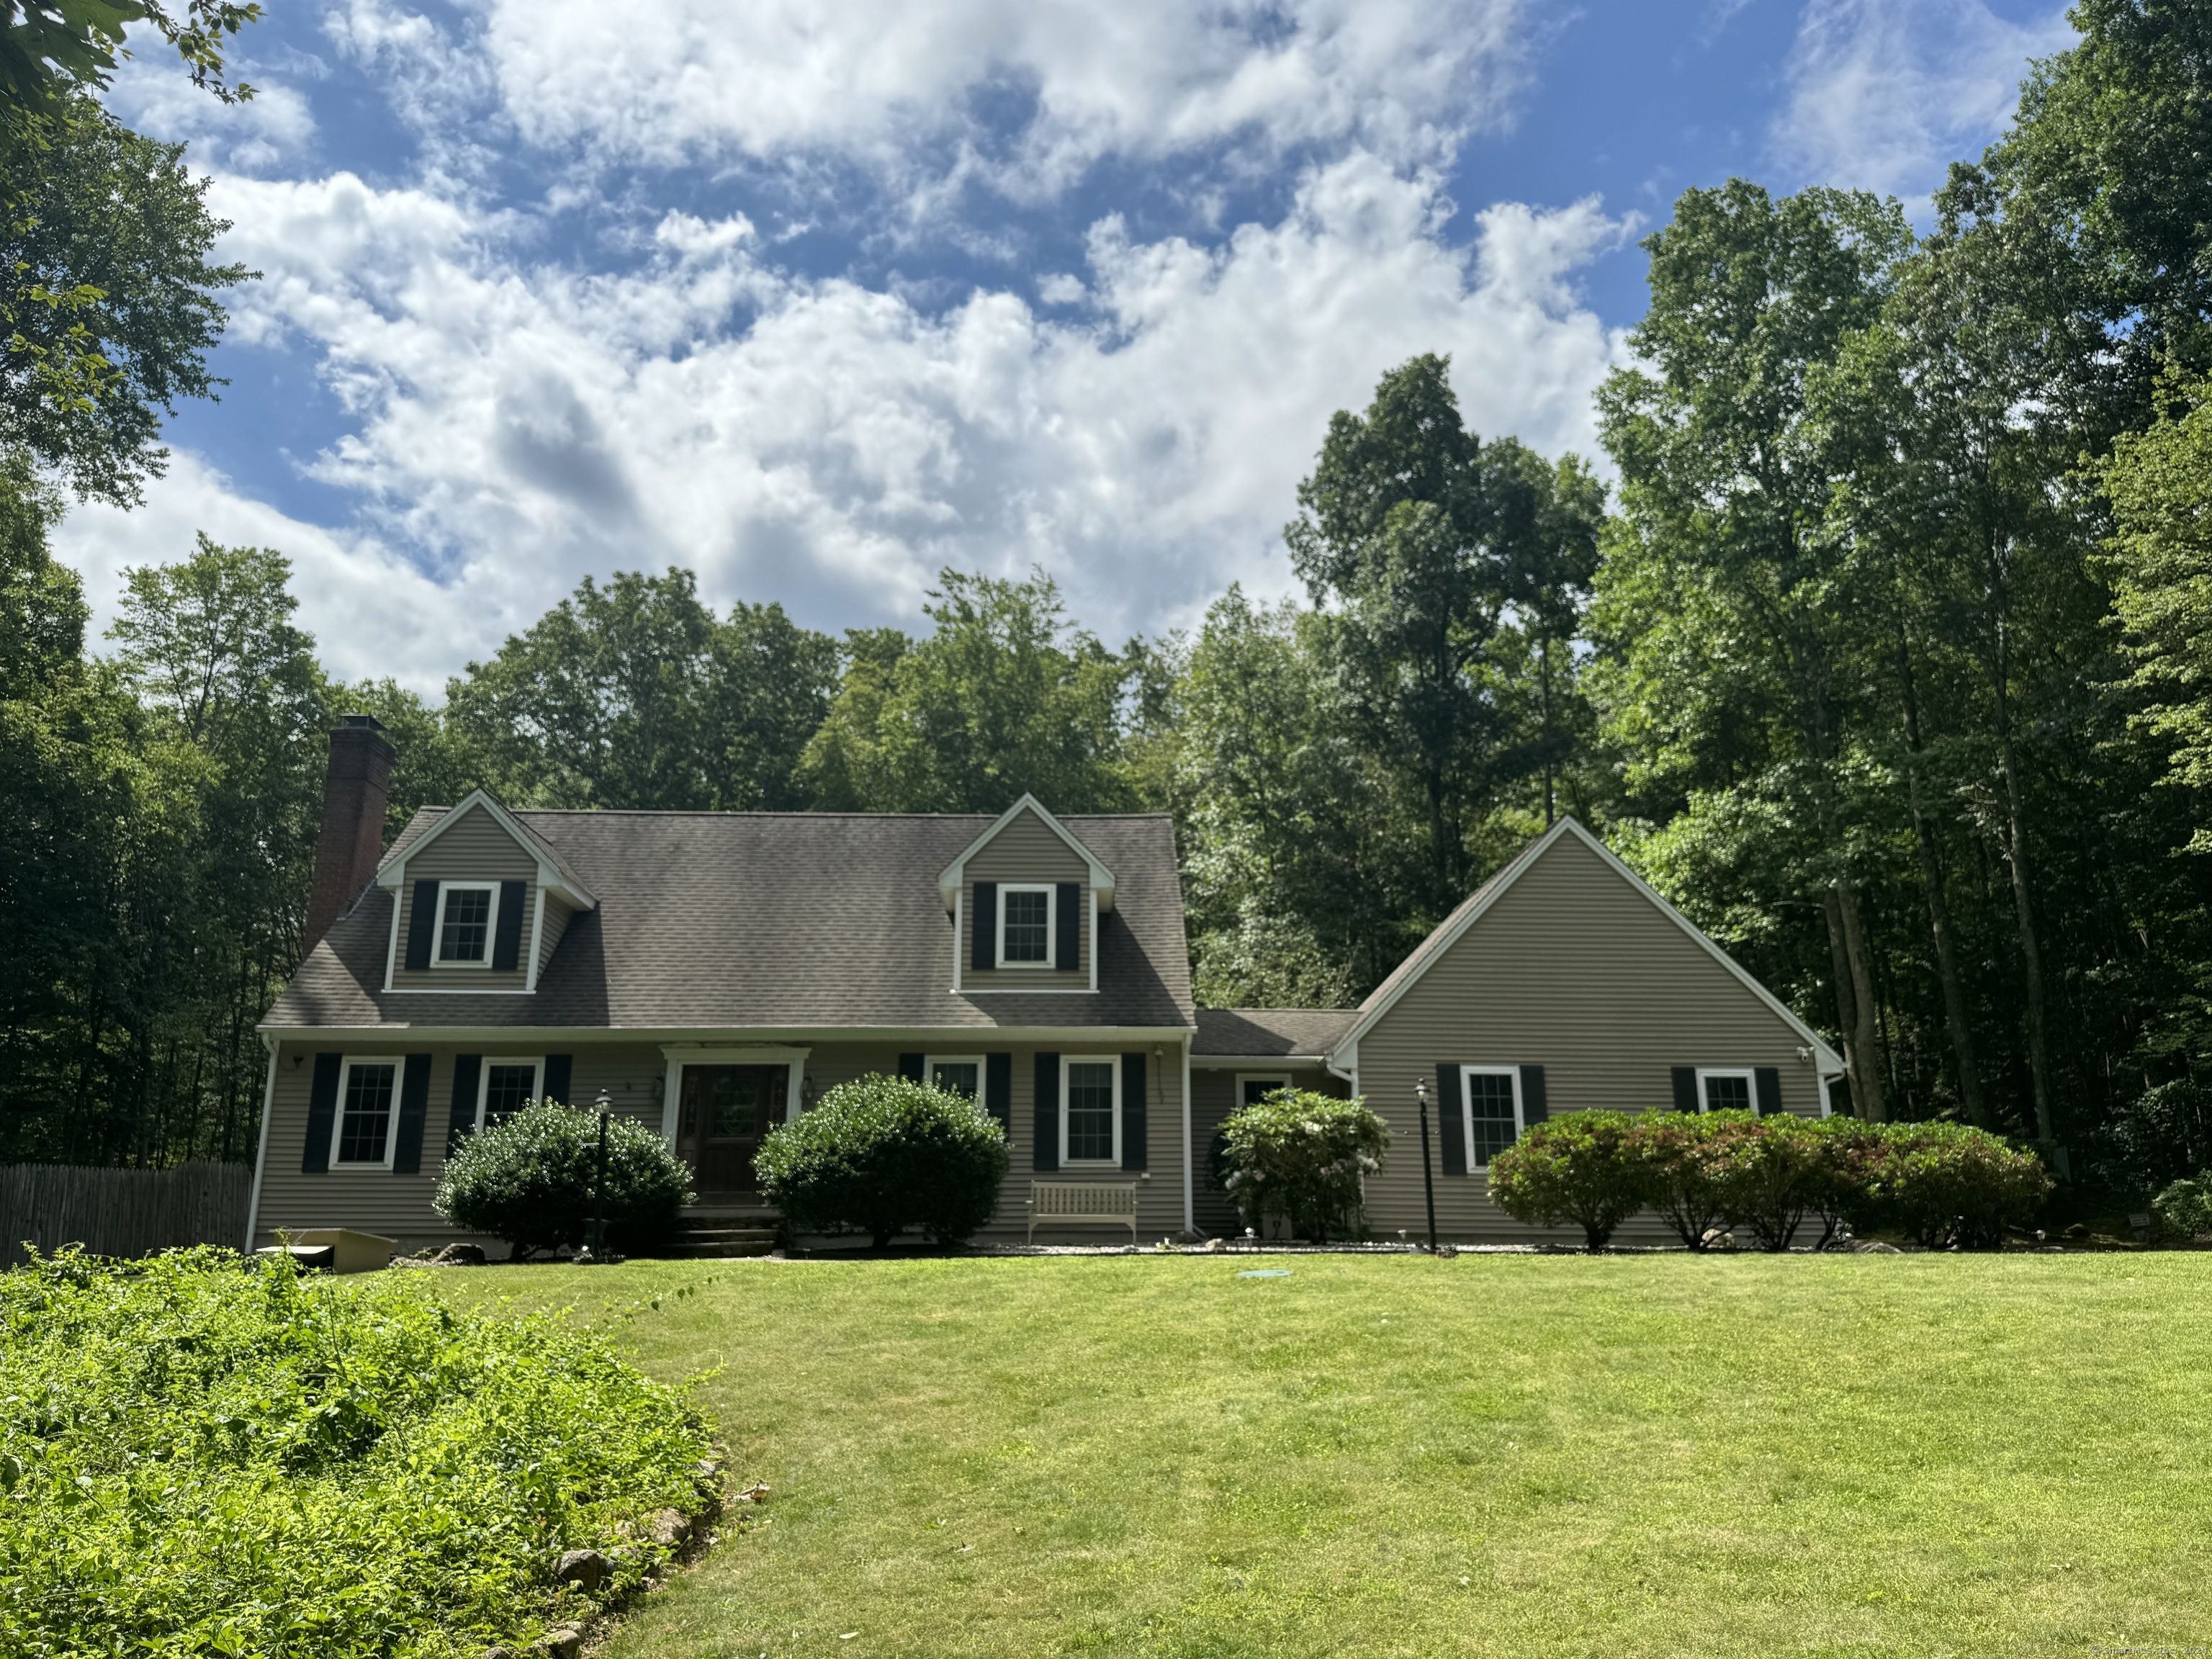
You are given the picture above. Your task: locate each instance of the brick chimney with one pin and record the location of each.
(355, 791)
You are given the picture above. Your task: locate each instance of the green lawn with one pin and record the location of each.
(1515, 1455)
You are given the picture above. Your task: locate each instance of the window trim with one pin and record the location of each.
(399, 1065)
(1467, 1108)
(438, 958)
(1051, 891)
(1750, 1086)
(536, 1062)
(1114, 1161)
(1281, 1079)
(931, 1062)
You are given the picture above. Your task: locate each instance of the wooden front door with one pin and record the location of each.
(726, 1109)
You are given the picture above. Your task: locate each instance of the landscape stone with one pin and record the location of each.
(586, 1569)
(671, 1529)
(564, 1642)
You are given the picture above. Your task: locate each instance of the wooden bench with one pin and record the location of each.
(1107, 1203)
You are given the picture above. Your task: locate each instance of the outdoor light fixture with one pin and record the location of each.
(1428, 1186)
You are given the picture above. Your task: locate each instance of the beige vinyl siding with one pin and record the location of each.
(1212, 1097)
(557, 915)
(1026, 850)
(474, 849)
(399, 1206)
(1574, 969)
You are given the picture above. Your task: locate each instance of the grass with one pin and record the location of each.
(1516, 1455)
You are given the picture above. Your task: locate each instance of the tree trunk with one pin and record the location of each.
(2030, 952)
(1866, 1045)
(1851, 1003)
(1550, 792)
(1939, 908)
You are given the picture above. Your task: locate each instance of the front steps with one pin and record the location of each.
(723, 1235)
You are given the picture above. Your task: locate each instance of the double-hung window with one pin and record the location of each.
(1253, 1087)
(957, 1074)
(466, 914)
(1090, 1108)
(1026, 919)
(368, 1100)
(1493, 1111)
(507, 1086)
(1725, 1089)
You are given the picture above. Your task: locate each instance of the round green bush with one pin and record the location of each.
(1768, 1172)
(1593, 1169)
(2185, 1205)
(881, 1154)
(1302, 1156)
(1687, 1153)
(1948, 1184)
(528, 1180)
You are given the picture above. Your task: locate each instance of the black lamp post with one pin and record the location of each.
(1428, 1185)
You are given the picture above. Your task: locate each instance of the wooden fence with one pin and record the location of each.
(125, 1212)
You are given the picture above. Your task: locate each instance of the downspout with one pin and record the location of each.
(261, 1154)
(1189, 1206)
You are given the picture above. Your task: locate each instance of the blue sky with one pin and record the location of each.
(817, 299)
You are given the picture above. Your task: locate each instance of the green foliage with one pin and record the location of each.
(637, 695)
(530, 1178)
(1593, 1169)
(881, 1154)
(110, 308)
(1949, 1184)
(1302, 1156)
(49, 49)
(1769, 1171)
(203, 1456)
(2185, 1207)
(1003, 697)
(1687, 1153)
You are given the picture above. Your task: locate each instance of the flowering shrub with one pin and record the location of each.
(1593, 1169)
(880, 1154)
(1949, 1184)
(1302, 1156)
(203, 1456)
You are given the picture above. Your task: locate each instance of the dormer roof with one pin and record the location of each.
(554, 874)
(1101, 880)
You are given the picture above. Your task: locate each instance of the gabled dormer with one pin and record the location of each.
(1025, 899)
(479, 903)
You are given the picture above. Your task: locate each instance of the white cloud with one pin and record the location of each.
(1885, 94)
(878, 80)
(831, 445)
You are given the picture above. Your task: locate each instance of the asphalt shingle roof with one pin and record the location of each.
(1271, 1031)
(773, 920)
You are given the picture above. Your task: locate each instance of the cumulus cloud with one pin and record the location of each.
(875, 81)
(1885, 94)
(833, 445)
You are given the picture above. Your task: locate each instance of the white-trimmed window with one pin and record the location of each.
(508, 1084)
(1028, 914)
(1726, 1089)
(1091, 1110)
(368, 1109)
(1253, 1087)
(1491, 1105)
(958, 1074)
(467, 911)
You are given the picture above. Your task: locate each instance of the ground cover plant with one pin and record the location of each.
(881, 1154)
(199, 1456)
(1735, 1456)
(534, 1179)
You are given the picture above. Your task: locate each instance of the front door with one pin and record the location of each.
(726, 1109)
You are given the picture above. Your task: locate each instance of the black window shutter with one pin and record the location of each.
(998, 1089)
(507, 944)
(414, 1107)
(1534, 1107)
(468, 1072)
(1134, 1098)
(322, 1113)
(422, 925)
(1045, 1154)
(1766, 1090)
(984, 953)
(1451, 1120)
(910, 1067)
(1068, 927)
(1685, 1088)
(556, 1077)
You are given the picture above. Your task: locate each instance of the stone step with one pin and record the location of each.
(726, 1235)
(724, 1249)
